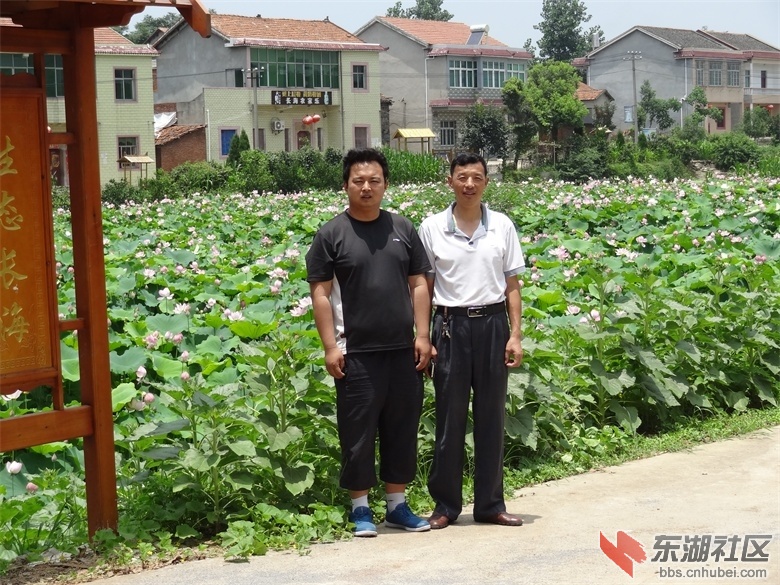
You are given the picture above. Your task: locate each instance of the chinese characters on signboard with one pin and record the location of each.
(301, 97)
(26, 273)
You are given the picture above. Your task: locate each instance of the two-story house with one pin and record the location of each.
(435, 71)
(125, 105)
(287, 83)
(736, 71)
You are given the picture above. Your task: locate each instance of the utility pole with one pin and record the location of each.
(633, 56)
(255, 129)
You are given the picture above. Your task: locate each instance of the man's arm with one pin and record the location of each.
(323, 319)
(513, 354)
(421, 303)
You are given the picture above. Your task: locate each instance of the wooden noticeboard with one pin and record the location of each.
(29, 336)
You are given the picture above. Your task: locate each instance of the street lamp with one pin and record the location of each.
(254, 80)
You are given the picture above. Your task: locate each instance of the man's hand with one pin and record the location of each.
(513, 354)
(423, 351)
(334, 362)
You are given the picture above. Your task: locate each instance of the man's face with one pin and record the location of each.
(365, 187)
(468, 182)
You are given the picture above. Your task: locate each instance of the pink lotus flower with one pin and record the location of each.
(140, 372)
(32, 488)
(13, 467)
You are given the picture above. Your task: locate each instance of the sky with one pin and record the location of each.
(512, 21)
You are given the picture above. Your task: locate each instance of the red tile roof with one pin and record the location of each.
(238, 27)
(108, 36)
(586, 93)
(171, 133)
(436, 32)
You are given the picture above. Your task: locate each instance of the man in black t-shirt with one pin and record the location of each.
(366, 268)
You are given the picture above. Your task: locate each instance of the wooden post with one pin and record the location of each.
(90, 278)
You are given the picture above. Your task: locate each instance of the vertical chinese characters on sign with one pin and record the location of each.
(13, 324)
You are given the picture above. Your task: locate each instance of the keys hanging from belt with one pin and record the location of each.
(445, 325)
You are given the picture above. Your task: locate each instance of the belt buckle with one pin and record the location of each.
(475, 311)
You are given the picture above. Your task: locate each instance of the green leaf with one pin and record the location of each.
(183, 257)
(167, 323)
(70, 363)
(523, 425)
(243, 448)
(278, 441)
(195, 460)
(242, 480)
(186, 531)
(167, 368)
(626, 416)
(297, 479)
(657, 390)
(161, 453)
(124, 286)
(764, 390)
(689, 349)
(737, 400)
(121, 395)
(128, 362)
(612, 382)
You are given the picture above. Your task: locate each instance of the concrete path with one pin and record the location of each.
(726, 492)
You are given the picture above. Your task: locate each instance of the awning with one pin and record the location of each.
(414, 133)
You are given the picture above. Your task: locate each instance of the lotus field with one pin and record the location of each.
(644, 303)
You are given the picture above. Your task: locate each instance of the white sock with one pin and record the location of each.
(394, 499)
(358, 502)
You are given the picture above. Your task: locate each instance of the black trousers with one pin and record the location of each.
(380, 395)
(471, 357)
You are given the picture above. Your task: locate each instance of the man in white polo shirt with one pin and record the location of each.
(476, 257)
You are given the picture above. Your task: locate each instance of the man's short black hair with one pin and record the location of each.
(364, 155)
(467, 158)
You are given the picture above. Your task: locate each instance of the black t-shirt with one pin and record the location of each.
(370, 263)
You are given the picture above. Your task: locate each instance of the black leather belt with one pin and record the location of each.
(478, 311)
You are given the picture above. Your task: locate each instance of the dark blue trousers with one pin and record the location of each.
(471, 357)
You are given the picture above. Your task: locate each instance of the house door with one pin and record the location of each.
(304, 139)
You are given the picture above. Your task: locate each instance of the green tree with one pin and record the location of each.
(147, 25)
(487, 131)
(244, 141)
(602, 116)
(522, 125)
(562, 36)
(757, 122)
(655, 109)
(238, 144)
(550, 92)
(422, 10)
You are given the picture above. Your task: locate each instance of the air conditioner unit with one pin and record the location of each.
(277, 125)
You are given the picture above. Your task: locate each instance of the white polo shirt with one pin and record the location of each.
(472, 271)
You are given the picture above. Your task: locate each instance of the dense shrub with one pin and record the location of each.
(409, 167)
(252, 173)
(192, 177)
(734, 148)
(118, 192)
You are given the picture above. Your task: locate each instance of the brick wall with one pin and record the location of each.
(189, 148)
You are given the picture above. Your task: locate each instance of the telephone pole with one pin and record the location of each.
(633, 56)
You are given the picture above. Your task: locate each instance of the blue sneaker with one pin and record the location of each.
(403, 517)
(363, 520)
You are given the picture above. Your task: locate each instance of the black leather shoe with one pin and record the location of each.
(439, 521)
(502, 518)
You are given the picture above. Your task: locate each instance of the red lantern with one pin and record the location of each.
(307, 120)
(315, 118)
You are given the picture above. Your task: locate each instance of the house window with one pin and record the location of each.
(463, 73)
(234, 78)
(359, 77)
(700, 73)
(447, 133)
(628, 114)
(716, 73)
(493, 74)
(515, 70)
(55, 76)
(361, 136)
(260, 138)
(296, 68)
(127, 146)
(13, 63)
(225, 137)
(763, 79)
(319, 138)
(124, 84)
(747, 77)
(732, 70)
